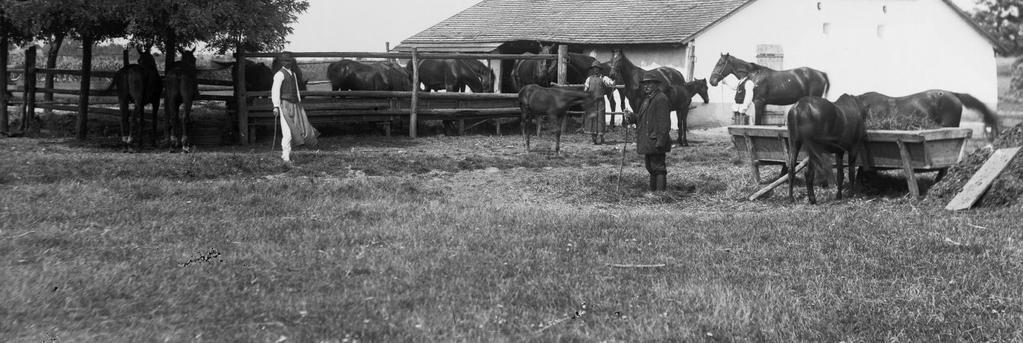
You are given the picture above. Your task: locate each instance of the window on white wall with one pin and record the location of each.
(880, 31)
(771, 56)
(825, 28)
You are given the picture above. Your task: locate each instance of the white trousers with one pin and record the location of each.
(285, 139)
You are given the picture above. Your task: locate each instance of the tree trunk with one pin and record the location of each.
(51, 63)
(170, 48)
(4, 129)
(83, 99)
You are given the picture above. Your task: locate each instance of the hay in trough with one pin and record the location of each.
(908, 122)
(1007, 189)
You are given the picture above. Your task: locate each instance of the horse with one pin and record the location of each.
(139, 84)
(535, 99)
(355, 75)
(182, 89)
(698, 87)
(772, 87)
(395, 76)
(940, 106)
(533, 72)
(822, 127)
(577, 71)
(454, 75)
(631, 74)
(258, 77)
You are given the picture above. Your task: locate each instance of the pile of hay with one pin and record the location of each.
(907, 122)
(1007, 189)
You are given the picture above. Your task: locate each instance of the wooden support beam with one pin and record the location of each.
(82, 127)
(240, 97)
(982, 179)
(907, 169)
(413, 117)
(4, 129)
(29, 79)
(783, 179)
(562, 64)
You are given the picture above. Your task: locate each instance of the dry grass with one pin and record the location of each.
(470, 239)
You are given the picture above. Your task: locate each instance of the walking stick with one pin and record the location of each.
(621, 166)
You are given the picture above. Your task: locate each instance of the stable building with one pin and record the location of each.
(896, 47)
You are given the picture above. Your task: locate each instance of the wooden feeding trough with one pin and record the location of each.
(910, 151)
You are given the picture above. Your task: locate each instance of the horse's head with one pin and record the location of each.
(850, 104)
(721, 69)
(545, 65)
(615, 65)
(187, 56)
(700, 87)
(487, 79)
(146, 56)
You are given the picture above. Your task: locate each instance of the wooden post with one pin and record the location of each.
(753, 163)
(690, 59)
(30, 89)
(907, 168)
(241, 97)
(498, 78)
(125, 58)
(413, 121)
(562, 64)
(51, 63)
(83, 99)
(4, 129)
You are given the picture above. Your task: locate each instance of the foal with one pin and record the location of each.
(825, 127)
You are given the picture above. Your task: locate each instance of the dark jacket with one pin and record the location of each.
(652, 125)
(289, 88)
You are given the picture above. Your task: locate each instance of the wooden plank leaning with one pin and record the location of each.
(982, 179)
(907, 168)
(780, 180)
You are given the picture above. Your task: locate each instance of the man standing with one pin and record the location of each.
(652, 126)
(287, 100)
(594, 120)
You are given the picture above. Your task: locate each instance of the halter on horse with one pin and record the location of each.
(772, 87)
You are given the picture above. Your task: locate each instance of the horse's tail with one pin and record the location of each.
(113, 82)
(989, 117)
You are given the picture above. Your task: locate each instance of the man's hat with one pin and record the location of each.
(650, 77)
(595, 64)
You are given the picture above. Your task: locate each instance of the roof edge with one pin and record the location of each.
(969, 20)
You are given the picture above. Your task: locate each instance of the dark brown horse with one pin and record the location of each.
(698, 87)
(139, 84)
(941, 107)
(368, 76)
(578, 70)
(554, 102)
(534, 72)
(454, 75)
(672, 81)
(825, 127)
(182, 89)
(772, 87)
(258, 77)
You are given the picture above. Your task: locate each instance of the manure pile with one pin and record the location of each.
(1007, 189)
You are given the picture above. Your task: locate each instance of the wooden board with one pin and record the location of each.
(981, 180)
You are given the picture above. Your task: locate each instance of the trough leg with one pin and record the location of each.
(753, 163)
(907, 169)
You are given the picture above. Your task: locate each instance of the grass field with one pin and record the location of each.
(472, 239)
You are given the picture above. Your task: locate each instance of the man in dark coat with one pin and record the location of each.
(652, 126)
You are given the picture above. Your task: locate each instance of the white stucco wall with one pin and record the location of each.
(924, 45)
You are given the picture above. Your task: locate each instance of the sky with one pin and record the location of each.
(365, 25)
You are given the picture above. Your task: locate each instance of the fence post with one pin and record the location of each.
(4, 129)
(413, 117)
(30, 89)
(562, 64)
(125, 58)
(83, 98)
(241, 97)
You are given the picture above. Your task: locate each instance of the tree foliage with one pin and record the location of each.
(1001, 18)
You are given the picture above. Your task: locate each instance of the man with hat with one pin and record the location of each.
(652, 126)
(596, 84)
(287, 99)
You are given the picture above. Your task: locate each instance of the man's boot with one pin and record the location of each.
(661, 182)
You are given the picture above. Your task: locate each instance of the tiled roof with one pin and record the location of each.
(580, 21)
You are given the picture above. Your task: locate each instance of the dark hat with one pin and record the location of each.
(650, 77)
(596, 64)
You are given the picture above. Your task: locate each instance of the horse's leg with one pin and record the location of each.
(759, 111)
(794, 146)
(186, 119)
(136, 135)
(809, 176)
(683, 126)
(168, 119)
(125, 117)
(156, 116)
(852, 171)
(611, 101)
(563, 119)
(840, 179)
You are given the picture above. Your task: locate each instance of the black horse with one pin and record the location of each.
(534, 72)
(772, 87)
(825, 127)
(258, 77)
(578, 70)
(182, 89)
(139, 84)
(941, 107)
(698, 87)
(454, 75)
(368, 76)
(673, 85)
(535, 100)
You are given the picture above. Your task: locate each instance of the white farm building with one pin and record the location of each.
(896, 47)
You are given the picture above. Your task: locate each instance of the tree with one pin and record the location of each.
(1001, 19)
